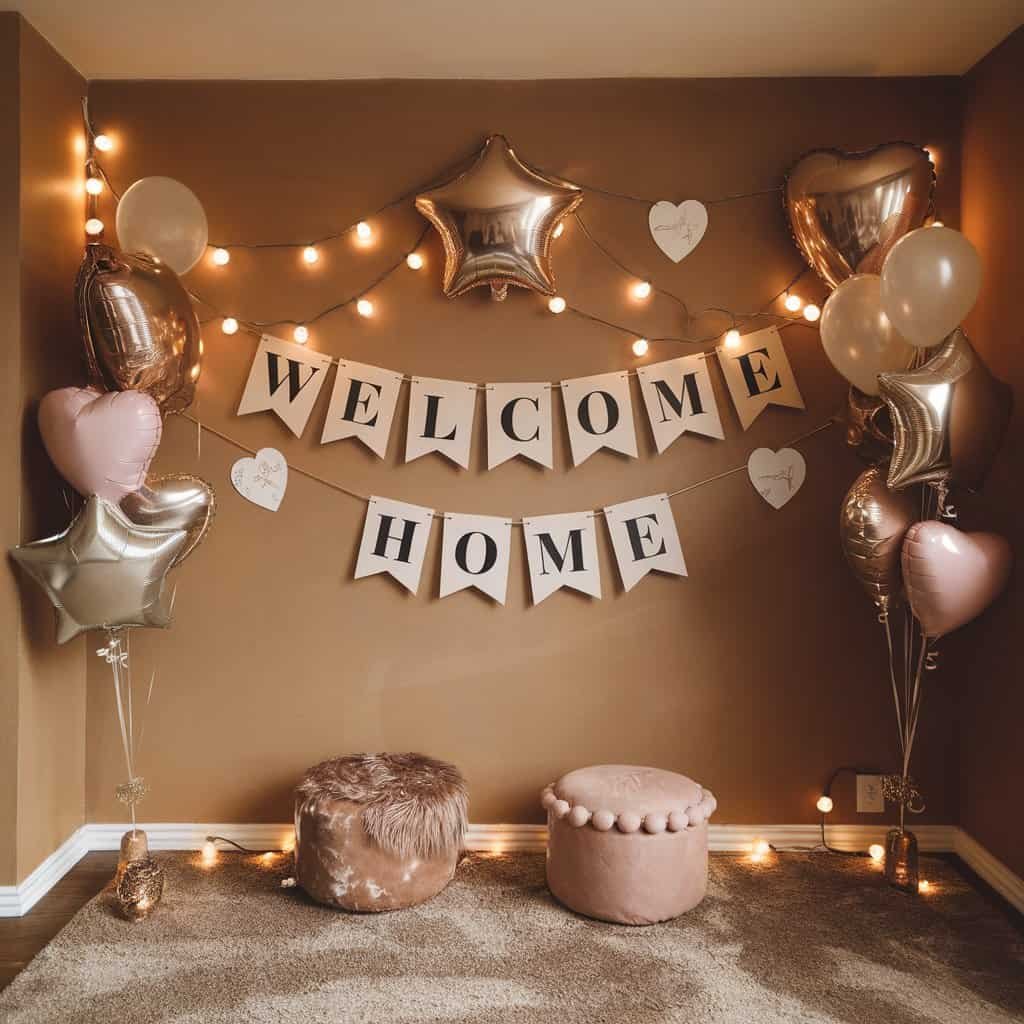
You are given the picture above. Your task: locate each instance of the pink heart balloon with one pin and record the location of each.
(101, 443)
(951, 577)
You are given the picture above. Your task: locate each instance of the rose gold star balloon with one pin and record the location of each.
(496, 221)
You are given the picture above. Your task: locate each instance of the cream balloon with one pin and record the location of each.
(858, 337)
(163, 218)
(930, 282)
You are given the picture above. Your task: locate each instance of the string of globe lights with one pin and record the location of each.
(97, 181)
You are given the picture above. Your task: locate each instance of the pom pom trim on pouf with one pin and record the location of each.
(412, 805)
(629, 821)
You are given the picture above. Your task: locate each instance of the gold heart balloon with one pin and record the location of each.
(176, 501)
(847, 210)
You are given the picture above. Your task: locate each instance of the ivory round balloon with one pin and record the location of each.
(163, 218)
(858, 338)
(930, 282)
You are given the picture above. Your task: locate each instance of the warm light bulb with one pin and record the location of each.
(310, 254)
(556, 304)
(364, 231)
(793, 303)
(732, 338)
(94, 226)
(364, 307)
(94, 186)
(268, 856)
(104, 143)
(559, 228)
(301, 334)
(924, 885)
(640, 347)
(641, 290)
(414, 261)
(824, 804)
(289, 843)
(937, 224)
(811, 312)
(221, 257)
(876, 851)
(209, 852)
(759, 849)
(229, 325)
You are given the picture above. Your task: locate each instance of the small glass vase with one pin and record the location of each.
(901, 868)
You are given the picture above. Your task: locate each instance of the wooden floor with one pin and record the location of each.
(22, 937)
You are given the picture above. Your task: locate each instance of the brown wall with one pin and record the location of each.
(987, 659)
(757, 675)
(43, 686)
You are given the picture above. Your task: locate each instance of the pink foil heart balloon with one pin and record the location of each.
(101, 443)
(951, 577)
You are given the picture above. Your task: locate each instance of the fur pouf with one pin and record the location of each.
(412, 805)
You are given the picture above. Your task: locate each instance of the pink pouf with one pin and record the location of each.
(627, 844)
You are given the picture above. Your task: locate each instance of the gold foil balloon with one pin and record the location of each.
(847, 210)
(496, 222)
(872, 523)
(139, 327)
(163, 218)
(949, 417)
(930, 282)
(858, 338)
(175, 501)
(103, 572)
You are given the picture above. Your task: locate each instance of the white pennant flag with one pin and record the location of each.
(519, 423)
(440, 419)
(394, 541)
(286, 378)
(644, 538)
(679, 399)
(599, 413)
(475, 553)
(562, 552)
(363, 405)
(758, 374)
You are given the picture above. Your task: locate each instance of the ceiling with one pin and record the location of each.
(317, 39)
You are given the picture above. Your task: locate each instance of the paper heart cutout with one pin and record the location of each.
(951, 577)
(776, 476)
(101, 443)
(677, 230)
(262, 479)
(177, 501)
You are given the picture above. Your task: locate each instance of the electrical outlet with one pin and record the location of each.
(869, 794)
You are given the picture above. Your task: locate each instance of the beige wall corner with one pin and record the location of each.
(985, 662)
(42, 687)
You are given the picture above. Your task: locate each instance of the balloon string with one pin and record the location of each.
(892, 677)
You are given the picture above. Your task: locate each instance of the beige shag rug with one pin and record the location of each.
(808, 938)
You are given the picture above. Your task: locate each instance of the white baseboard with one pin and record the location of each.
(17, 900)
(1009, 885)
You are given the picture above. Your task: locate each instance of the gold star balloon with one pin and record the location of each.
(949, 417)
(496, 221)
(103, 571)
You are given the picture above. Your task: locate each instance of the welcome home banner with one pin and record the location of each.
(678, 398)
(561, 550)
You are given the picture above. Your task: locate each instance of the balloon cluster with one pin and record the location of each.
(947, 417)
(923, 407)
(108, 569)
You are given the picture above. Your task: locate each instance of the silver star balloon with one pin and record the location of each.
(496, 222)
(103, 571)
(920, 402)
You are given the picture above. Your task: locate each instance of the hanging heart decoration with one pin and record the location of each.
(776, 476)
(678, 229)
(262, 479)
(847, 210)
